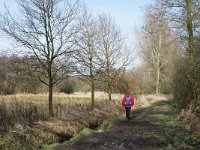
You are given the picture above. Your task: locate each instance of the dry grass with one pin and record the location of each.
(144, 101)
(24, 118)
(80, 97)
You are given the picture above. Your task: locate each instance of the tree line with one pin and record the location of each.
(169, 47)
(61, 38)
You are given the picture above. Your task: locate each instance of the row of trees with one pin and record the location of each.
(61, 39)
(101, 51)
(169, 47)
(158, 49)
(13, 79)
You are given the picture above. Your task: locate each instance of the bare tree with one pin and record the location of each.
(184, 18)
(192, 50)
(86, 45)
(156, 44)
(112, 52)
(45, 28)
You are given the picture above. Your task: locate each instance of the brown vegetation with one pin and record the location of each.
(28, 125)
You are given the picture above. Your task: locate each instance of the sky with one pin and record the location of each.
(128, 14)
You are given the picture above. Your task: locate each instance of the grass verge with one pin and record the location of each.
(83, 133)
(87, 131)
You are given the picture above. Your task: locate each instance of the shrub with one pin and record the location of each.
(7, 89)
(189, 118)
(67, 88)
(183, 93)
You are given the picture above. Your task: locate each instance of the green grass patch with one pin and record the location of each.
(162, 119)
(165, 117)
(112, 121)
(164, 114)
(83, 133)
(3, 129)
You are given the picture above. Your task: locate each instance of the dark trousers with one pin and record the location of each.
(128, 111)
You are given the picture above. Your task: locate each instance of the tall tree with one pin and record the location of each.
(86, 49)
(112, 52)
(184, 18)
(192, 50)
(156, 44)
(46, 29)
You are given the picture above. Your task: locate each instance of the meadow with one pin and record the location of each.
(25, 124)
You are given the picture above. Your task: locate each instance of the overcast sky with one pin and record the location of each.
(128, 14)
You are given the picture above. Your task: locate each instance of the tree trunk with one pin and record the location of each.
(50, 85)
(192, 52)
(92, 91)
(51, 114)
(109, 92)
(157, 80)
(191, 49)
(158, 66)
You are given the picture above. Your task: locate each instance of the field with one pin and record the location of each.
(24, 121)
(58, 97)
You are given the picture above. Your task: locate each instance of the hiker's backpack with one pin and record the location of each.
(128, 100)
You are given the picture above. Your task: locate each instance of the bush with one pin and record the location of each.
(183, 93)
(7, 89)
(189, 118)
(30, 86)
(67, 88)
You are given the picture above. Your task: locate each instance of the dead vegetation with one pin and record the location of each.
(190, 118)
(28, 126)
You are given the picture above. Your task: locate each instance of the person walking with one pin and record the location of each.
(128, 102)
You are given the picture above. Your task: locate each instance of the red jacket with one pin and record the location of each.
(124, 99)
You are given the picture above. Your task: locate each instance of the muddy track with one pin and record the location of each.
(143, 132)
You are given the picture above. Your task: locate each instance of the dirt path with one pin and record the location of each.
(149, 128)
